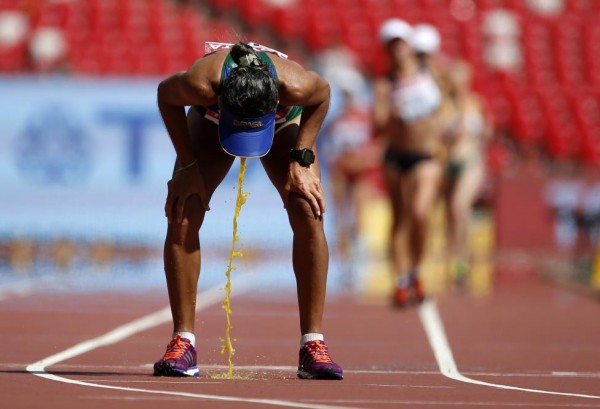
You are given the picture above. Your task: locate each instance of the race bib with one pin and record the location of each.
(211, 47)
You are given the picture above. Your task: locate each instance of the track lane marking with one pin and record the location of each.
(432, 323)
(206, 299)
(290, 368)
(446, 403)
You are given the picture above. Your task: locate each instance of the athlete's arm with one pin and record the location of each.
(307, 89)
(185, 88)
(381, 107)
(488, 120)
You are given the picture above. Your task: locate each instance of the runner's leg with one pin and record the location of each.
(310, 252)
(182, 255)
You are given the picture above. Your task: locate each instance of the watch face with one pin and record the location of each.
(308, 157)
(303, 156)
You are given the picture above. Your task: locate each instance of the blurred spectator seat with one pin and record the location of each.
(48, 50)
(14, 28)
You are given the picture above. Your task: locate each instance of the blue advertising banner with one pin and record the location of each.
(91, 157)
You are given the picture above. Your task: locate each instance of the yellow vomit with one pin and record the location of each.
(241, 199)
(231, 376)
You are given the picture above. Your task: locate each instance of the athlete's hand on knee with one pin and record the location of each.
(186, 182)
(304, 181)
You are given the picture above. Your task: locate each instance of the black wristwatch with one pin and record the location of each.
(304, 157)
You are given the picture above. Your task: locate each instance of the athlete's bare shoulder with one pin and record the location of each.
(207, 69)
(287, 70)
(198, 85)
(298, 85)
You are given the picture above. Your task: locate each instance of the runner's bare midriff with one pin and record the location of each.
(420, 136)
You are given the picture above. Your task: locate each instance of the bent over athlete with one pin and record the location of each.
(249, 101)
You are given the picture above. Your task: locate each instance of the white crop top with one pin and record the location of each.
(415, 97)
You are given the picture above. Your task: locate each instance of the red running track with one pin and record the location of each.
(536, 337)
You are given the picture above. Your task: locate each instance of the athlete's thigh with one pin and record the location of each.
(468, 185)
(393, 181)
(277, 161)
(213, 161)
(425, 184)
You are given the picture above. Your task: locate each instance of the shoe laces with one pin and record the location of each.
(318, 351)
(176, 348)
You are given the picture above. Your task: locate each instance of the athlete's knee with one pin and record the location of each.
(301, 214)
(420, 215)
(459, 207)
(193, 215)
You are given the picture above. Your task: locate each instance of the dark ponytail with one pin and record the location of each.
(244, 55)
(249, 90)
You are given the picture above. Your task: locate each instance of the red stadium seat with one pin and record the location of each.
(590, 149)
(291, 22)
(252, 11)
(222, 5)
(11, 4)
(13, 59)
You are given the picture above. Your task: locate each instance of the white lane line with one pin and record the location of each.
(205, 299)
(436, 335)
(289, 368)
(554, 374)
(444, 403)
(576, 374)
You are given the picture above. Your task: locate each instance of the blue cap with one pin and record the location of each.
(246, 137)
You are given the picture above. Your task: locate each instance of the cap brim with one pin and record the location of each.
(246, 137)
